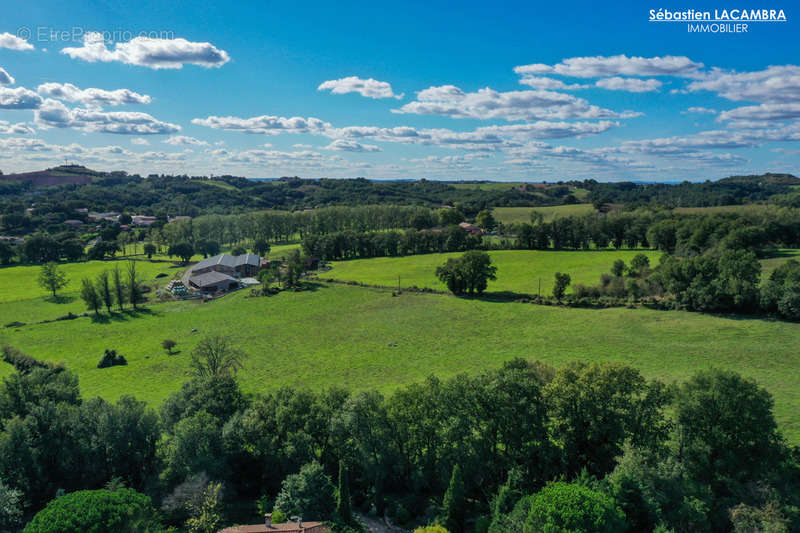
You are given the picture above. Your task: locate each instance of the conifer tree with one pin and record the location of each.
(453, 505)
(343, 495)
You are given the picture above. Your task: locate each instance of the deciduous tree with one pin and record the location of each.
(89, 296)
(52, 278)
(215, 355)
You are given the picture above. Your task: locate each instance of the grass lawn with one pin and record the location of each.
(517, 270)
(511, 215)
(279, 251)
(362, 338)
(23, 300)
(777, 259)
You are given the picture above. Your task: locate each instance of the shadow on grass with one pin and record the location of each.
(496, 296)
(313, 286)
(777, 254)
(122, 316)
(60, 299)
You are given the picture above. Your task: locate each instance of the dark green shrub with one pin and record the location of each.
(575, 508)
(96, 511)
(111, 358)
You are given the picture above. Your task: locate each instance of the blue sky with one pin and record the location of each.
(460, 90)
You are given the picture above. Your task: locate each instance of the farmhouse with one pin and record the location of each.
(213, 282)
(143, 220)
(470, 228)
(222, 272)
(297, 526)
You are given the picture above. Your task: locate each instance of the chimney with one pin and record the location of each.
(268, 520)
(299, 523)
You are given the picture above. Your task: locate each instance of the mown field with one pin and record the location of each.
(516, 215)
(747, 208)
(517, 270)
(23, 300)
(362, 338)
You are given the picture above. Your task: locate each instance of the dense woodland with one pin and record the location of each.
(193, 196)
(473, 453)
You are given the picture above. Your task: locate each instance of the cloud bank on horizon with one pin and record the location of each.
(577, 117)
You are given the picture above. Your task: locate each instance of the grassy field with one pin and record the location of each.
(279, 251)
(511, 215)
(23, 300)
(276, 251)
(517, 270)
(491, 186)
(777, 259)
(748, 208)
(361, 338)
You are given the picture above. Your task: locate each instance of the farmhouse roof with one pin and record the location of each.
(210, 278)
(248, 259)
(230, 261)
(221, 259)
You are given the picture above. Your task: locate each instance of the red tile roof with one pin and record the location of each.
(287, 527)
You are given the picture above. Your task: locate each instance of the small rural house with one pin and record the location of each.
(471, 228)
(296, 526)
(213, 282)
(223, 272)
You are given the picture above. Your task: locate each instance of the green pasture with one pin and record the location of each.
(516, 215)
(23, 300)
(517, 270)
(776, 259)
(362, 338)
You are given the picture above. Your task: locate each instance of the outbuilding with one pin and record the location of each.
(213, 282)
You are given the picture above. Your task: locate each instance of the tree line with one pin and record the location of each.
(478, 452)
(718, 281)
(113, 288)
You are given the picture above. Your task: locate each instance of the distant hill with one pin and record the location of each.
(61, 175)
(763, 179)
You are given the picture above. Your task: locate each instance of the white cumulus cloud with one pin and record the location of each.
(264, 124)
(92, 96)
(342, 145)
(53, 113)
(773, 85)
(631, 85)
(543, 82)
(20, 128)
(183, 140)
(149, 52)
(19, 98)
(369, 88)
(619, 65)
(769, 112)
(487, 103)
(12, 42)
(5, 77)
